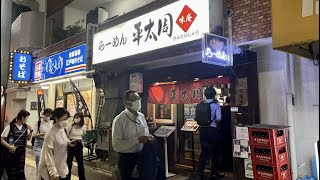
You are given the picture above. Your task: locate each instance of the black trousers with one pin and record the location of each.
(126, 164)
(209, 139)
(16, 164)
(76, 152)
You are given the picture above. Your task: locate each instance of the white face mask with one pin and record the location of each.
(63, 123)
(136, 105)
(77, 120)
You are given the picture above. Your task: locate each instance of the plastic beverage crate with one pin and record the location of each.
(271, 172)
(270, 155)
(267, 137)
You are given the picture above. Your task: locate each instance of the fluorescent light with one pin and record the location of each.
(220, 76)
(63, 80)
(44, 87)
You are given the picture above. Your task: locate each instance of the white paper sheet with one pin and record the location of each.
(307, 8)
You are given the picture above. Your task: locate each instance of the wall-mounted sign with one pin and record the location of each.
(66, 62)
(176, 23)
(34, 106)
(184, 93)
(20, 67)
(215, 50)
(189, 111)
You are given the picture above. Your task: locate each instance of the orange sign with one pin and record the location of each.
(40, 92)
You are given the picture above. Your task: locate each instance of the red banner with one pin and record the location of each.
(184, 93)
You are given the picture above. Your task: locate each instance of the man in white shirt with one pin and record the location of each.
(129, 133)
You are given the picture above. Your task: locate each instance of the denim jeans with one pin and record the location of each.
(38, 143)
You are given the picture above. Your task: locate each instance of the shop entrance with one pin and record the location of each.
(172, 98)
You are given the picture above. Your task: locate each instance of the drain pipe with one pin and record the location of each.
(289, 76)
(229, 14)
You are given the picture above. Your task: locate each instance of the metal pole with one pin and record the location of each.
(289, 75)
(192, 146)
(6, 15)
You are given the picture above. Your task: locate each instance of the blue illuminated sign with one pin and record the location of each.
(21, 70)
(63, 63)
(215, 50)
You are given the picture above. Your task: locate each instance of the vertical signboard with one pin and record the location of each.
(20, 67)
(41, 102)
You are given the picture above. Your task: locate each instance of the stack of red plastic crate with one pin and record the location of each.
(269, 153)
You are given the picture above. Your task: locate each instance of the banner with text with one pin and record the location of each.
(81, 105)
(184, 93)
(176, 23)
(66, 62)
(41, 102)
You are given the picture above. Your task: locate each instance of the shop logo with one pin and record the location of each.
(186, 18)
(38, 71)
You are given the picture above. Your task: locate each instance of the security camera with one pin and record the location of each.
(229, 13)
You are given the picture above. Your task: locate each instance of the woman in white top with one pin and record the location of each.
(40, 129)
(53, 159)
(76, 131)
(14, 139)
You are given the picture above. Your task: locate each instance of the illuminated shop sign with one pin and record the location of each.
(66, 62)
(215, 50)
(20, 67)
(176, 23)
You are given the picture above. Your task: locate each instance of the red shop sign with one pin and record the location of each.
(184, 93)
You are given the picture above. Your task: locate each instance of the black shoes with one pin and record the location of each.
(217, 175)
(214, 176)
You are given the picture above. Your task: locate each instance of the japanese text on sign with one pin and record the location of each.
(21, 67)
(177, 23)
(67, 62)
(215, 50)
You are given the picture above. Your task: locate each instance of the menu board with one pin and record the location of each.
(165, 131)
(190, 126)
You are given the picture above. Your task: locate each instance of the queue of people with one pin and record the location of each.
(55, 145)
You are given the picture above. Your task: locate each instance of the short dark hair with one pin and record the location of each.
(127, 93)
(59, 113)
(210, 92)
(48, 110)
(81, 116)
